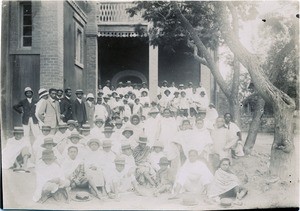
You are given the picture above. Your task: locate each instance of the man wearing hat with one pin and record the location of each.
(49, 112)
(144, 172)
(100, 110)
(49, 177)
(121, 180)
(120, 88)
(90, 109)
(129, 159)
(79, 111)
(106, 88)
(43, 95)
(66, 105)
(50, 145)
(189, 90)
(166, 99)
(144, 87)
(16, 152)
(164, 177)
(61, 135)
(59, 95)
(27, 108)
(173, 88)
(163, 87)
(152, 126)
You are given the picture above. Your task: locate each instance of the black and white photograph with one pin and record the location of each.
(149, 105)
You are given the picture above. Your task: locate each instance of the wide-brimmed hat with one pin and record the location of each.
(28, 89)
(119, 160)
(226, 202)
(43, 92)
(108, 129)
(106, 97)
(128, 82)
(90, 95)
(62, 125)
(98, 119)
(86, 127)
(158, 144)
(181, 85)
(79, 91)
(72, 122)
(190, 83)
(75, 134)
(48, 140)
(201, 110)
(106, 143)
(125, 145)
(143, 139)
(18, 130)
(48, 154)
(127, 129)
(153, 111)
(120, 82)
(93, 140)
(46, 127)
(164, 160)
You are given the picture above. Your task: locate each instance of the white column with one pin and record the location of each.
(153, 71)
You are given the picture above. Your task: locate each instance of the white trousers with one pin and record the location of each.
(33, 127)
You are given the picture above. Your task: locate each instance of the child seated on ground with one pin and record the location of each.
(163, 177)
(121, 180)
(156, 154)
(225, 184)
(49, 178)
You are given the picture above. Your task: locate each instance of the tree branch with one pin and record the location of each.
(206, 54)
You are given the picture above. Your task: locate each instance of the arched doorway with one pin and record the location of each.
(133, 75)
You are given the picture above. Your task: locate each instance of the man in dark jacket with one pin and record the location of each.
(27, 108)
(66, 106)
(79, 111)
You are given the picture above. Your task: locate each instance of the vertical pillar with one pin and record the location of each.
(52, 48)
(92, 50)
(153, 72)
(205, 77)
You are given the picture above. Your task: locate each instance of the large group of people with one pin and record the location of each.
(121, 141)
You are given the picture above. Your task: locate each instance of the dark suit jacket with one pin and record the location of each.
(66, 108)
(79, 112)
(28, 110)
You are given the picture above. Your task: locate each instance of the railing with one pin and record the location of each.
(115, 13)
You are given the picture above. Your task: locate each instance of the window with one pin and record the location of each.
(26, 24)
(79, 45)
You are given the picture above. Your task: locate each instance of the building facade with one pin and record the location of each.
(80, 44)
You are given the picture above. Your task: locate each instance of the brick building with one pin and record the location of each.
(80, 44)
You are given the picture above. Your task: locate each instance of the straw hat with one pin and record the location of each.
(98, 119)
(81, 196)
(62, 125)
(142, 139)
(127, 129)
(28, 89)
(74, 134)
(158, 144)
(79, 91)
(106, 143)
(18, 130)
(119, 160)
(48, 140)
(226, 202)
(108, 129)
(86, 127)
(153, 111)
(72, 122)
(90, 95)
(93, 140)
(125, 145)
(46, 127)
(42, 92)
(48, 154)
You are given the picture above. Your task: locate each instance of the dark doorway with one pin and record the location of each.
(117, 54)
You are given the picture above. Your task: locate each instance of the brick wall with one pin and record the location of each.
(52, 48)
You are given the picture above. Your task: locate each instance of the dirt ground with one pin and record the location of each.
(18, 189)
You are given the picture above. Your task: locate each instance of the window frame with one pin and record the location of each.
(79, 50)
(22, 25)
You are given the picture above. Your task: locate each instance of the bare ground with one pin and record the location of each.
(18, 189)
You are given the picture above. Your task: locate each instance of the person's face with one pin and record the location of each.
(225, 165)
(18, 136)
(157, 149)
(107, 149)
(74, 140)
(62, 130)
(45, 132)
(86, 132)
(159, 97)
(126, 97)
(163, 166)
(94, 146)
(144, 85)
(107, 134)
(173, 84)
(53, 94)
(220, 122)
(135, 121)
(28, 94)
(126, 119)
(106, 99)
(79, 95)
(120, 167)
(59, 94)
(167, 113)
(143, 118)
(73, 152)
(164, 84)
(142, 145)
(186, 125)
(127, 133)
(199, 124)
(117, 99)
(154, 115)
(45, 97)
(68, 93)
(118, 126)
(48, 146)
(133, 96)
(99, 124)
(193, 156)
(227, 118)
(201, 115)
(91, 100)
(144, 94)
(71, 127)
(167, 93)
(48, 161)
(107, 84)
(99, 101)
(182, 94)
(176, 95)
(127, 151)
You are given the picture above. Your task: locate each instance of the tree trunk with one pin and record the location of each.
(234, 109)
(254, 126)
(282, 150)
